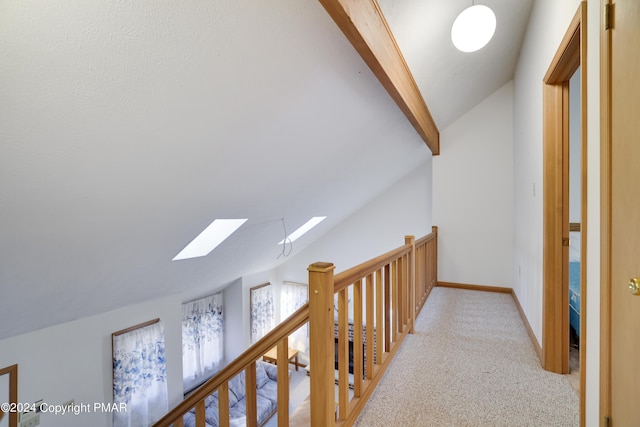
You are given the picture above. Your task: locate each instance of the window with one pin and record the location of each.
(202, 339)
(292, 297)
(139, 374)
(262, 311)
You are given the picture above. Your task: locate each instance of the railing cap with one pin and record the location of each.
(321, 267)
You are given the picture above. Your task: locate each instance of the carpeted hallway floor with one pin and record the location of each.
(470, 363)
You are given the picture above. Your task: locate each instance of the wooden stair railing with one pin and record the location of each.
(426, 267)
(394, 287)
(247, 362)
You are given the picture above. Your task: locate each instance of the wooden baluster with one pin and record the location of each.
(410, 273)
(250, 390)
(405, 289)
(200, 414)
(370, 330)
(400, 286)
(387, 308)
(429, 267)
(223, 405)
(321, 344)
(416, 278)
(357, 339)
(425, 270)
(343, 353)
(425, 273)
(429, 263)
(379, 317)
(283, 382)
(424, 261)
(179, 422)
(411, 240)
(402, 280)
(394, 301)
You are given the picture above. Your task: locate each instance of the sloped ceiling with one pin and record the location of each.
(452, 82)
(127, 127)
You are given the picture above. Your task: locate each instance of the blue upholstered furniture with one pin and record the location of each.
(574, 296)
(266, 400)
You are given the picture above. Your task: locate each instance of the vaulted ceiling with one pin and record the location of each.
(127, 127)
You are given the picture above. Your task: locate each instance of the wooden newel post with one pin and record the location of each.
(321, 344)
(411, 240)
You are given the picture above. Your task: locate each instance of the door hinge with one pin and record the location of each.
(608, 16)
(607, 422)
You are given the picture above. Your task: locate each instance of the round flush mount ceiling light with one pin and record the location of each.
(473, 28)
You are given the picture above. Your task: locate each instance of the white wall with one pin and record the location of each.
(234, 321)
(548, 23)
(380, 226)
(473, 194)
(74, 360)
(237, 313)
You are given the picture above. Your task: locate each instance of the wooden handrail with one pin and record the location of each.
(253, 353)
(429, 237)
(397, 300)
(347, 277)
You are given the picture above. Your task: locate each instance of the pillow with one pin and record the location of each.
(212, 399)
(261, 375)
(238, 422)
(237, 388)
(271, 370)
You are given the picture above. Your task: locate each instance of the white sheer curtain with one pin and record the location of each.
(140, 376)
(202, 338)
(292, 297)
(262, 311)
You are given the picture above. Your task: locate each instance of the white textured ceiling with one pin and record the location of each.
(127, 127)
(452, 82)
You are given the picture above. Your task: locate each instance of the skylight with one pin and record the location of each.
(306, 227)
(210, 237)
(473, 28)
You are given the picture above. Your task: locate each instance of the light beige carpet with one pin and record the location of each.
(470, 363)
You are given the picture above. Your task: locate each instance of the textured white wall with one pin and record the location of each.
(473, 194)
(74, 360)
(548, 23)
(234, 321)
(380, 226)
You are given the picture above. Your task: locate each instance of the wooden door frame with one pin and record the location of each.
(12, 371)
(571, 54)
(605, 215)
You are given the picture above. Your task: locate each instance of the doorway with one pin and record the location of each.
(556, 324)
(575, 229)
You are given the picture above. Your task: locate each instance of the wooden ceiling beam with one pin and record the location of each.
(364, 25)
